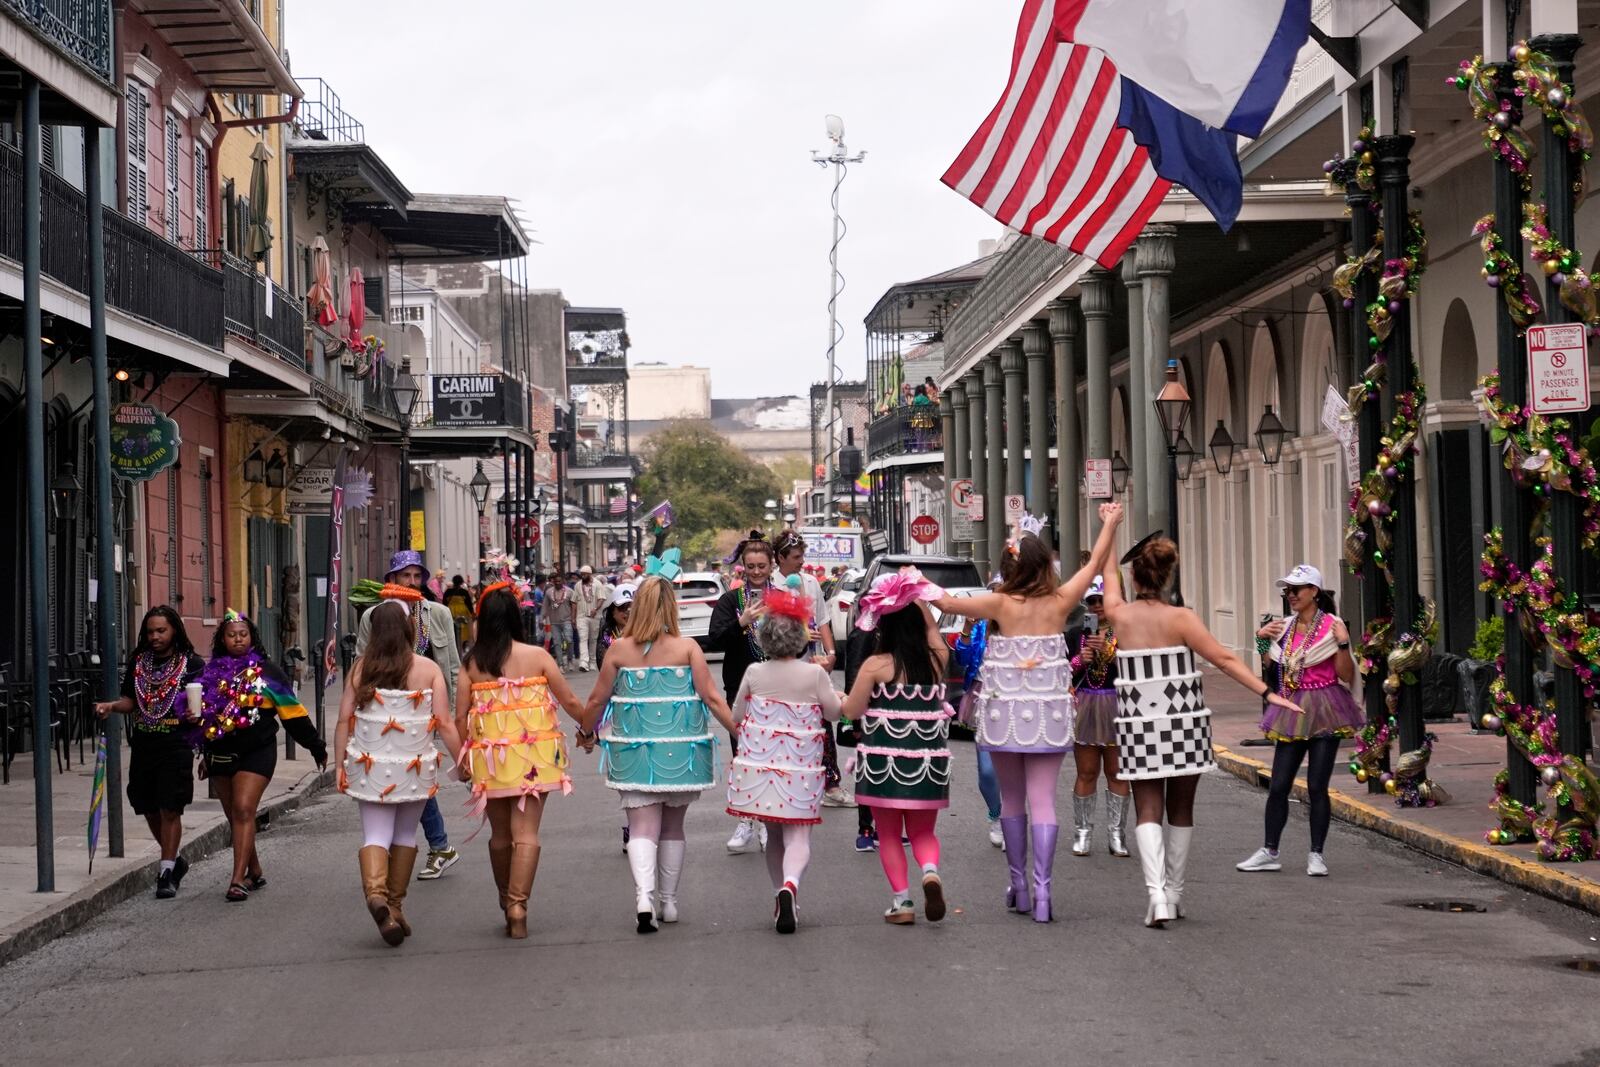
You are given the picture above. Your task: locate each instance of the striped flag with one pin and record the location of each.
(1078, 154)
(619, 505)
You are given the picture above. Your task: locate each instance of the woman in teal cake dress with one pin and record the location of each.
(658, 697)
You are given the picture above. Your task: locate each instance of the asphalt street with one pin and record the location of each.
(1268, 968)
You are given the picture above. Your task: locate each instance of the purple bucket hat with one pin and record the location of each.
(406, 557)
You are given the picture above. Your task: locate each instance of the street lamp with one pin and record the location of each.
(772, 510)
(1270, 436)
(1119, 473)
(1172, 408)
(277, 470)
(405, 401)
(1222, 448)
(255, 467)
(480, 495)
(1186, 455)
(64, 492)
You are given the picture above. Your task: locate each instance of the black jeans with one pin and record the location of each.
(1286, 760)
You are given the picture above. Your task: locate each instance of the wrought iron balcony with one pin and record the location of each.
(147, 276)
(600, 459)
(245, 312)
(82, 28)
(905, 431)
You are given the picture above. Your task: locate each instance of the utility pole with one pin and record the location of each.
(839, 158)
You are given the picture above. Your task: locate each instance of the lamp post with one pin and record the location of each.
(839, 158)
(480, 493)
(772, 510)
(1270, 436)
(255, 467)
(64, 492)
(1186, 455)
(1172, 408)
(405, 401)
(1119, 473)
(1222, 448)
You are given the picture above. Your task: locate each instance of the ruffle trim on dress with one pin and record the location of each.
(902, 691)
(772, 818)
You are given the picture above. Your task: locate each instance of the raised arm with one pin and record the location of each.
(560, 688)
(976, 606)
(827, 696)
(1198, 638)
(1073, 588)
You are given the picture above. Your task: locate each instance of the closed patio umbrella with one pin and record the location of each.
(320, 296)
(260, 233)
(358, 303)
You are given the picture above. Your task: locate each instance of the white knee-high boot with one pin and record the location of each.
(642, 859)
(1177, 860)
(669, 861)
(1153, 859)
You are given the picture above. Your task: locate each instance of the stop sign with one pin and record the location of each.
(924, 529)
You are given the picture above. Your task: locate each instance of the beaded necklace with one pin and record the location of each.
(1098, 675)
(156, 683)
(419, 618)
(742, 598)
(1294, 657)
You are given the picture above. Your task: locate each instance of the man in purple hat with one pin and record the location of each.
(436, 639)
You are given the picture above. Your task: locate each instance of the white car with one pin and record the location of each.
(698, 592)
(840, 601)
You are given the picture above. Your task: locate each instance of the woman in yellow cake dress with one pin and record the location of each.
(513, 753)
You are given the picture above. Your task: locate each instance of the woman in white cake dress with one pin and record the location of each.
(778, 775)
(1163, 724)
(1025, 714)
(658, 697)
(394, 706)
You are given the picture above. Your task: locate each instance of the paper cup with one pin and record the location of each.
(192, 694)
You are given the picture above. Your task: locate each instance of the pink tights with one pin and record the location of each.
(1028, 784)
(915, 824)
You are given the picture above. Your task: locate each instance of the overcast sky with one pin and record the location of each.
(661, 151)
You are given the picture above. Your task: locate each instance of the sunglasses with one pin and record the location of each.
(1291, 590)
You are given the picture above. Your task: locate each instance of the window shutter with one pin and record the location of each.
(374, 294)
(138, 126)
(172, 177)
(202, 198)
(47, 142)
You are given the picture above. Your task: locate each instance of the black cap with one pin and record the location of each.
(1127, 557)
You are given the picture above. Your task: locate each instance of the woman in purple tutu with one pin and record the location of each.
(1311, 650)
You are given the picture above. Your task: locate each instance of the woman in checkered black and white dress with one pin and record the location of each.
(1163, 724)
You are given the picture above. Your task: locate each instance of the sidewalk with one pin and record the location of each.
(1463, 763)
(29, 918)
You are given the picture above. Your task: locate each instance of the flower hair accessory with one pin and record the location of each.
(891, 592)
(788, 602)
(509, 586)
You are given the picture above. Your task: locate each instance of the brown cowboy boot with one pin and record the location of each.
(375, 885)
(500, 863)
(519, 883)
(402, 858)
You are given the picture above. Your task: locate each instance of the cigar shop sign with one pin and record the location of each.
(144, 442)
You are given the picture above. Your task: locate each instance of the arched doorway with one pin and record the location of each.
(1458, 455)
(1219, 577)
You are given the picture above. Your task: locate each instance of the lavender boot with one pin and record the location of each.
(1015, 830)
(1044, 861)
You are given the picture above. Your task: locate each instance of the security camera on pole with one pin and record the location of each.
(839, 158)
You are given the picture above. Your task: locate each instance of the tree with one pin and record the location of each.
(714, 488)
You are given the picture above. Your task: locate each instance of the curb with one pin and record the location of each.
(90, 901)
(1514, 870)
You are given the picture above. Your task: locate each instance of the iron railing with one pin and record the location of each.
(593, 458)
(378, 398)
(1019, 273)
(245, 312)
(81, 27)
(146, 275)
(905, 431)
(322, 116)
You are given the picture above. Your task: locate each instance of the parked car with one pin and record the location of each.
(697, 596)
(841, 595)
(958, 577)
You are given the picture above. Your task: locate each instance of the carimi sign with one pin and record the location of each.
(469, 400)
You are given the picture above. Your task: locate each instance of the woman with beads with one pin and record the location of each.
(1094, 675)
(657, 696)
(1025, 714)
(512, 746)
(1311, 649)
(160, 761)
(243, 696)
(1163, 724)
(732, 631)
(395, 706)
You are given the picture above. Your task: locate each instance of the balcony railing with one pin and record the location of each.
(81, 27)
(146, 275)
(603, 513)
(245, 312)
(594, 458)
(905, 431)
(378, 397)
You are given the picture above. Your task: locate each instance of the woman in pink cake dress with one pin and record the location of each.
(1311, 649)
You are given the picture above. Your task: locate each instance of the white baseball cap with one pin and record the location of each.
(623, 594)
(1302, 574)
(1097, 588)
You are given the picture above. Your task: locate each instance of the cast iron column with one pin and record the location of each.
(1142, 463)
(1012, 368)
(1156, 256)
(1069, 464)
(994, 473)
(1096, 286)
(980, 468)
(956, 450)
(1036, 347)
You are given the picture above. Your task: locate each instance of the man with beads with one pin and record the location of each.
(436, 639)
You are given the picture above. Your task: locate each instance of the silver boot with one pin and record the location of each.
(1082, 823)
(1116, 823)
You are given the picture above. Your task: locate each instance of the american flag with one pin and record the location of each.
(619, 505)
(1051, 160)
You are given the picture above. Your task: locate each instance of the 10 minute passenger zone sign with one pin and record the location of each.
(1558, 368)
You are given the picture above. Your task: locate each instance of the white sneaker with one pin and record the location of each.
(1262, 859)
(996, 837)
(1316, 867)
(761, 826)
(837, 798)
(744, 838)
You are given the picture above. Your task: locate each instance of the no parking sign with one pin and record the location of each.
(1558, 368)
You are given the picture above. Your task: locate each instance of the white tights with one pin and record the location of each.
(788, 852)
(656, 822)
(386, 825)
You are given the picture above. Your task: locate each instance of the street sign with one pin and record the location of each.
(1097, 479)
(1015, 508)
(1336, 420)
(473, 400)
(961, 494)
(975, 507)
(517, 507)
(924, 529)
(1558, 368)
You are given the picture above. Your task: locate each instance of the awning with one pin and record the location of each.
(354, 170)
(226, 48)
(436, 228)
